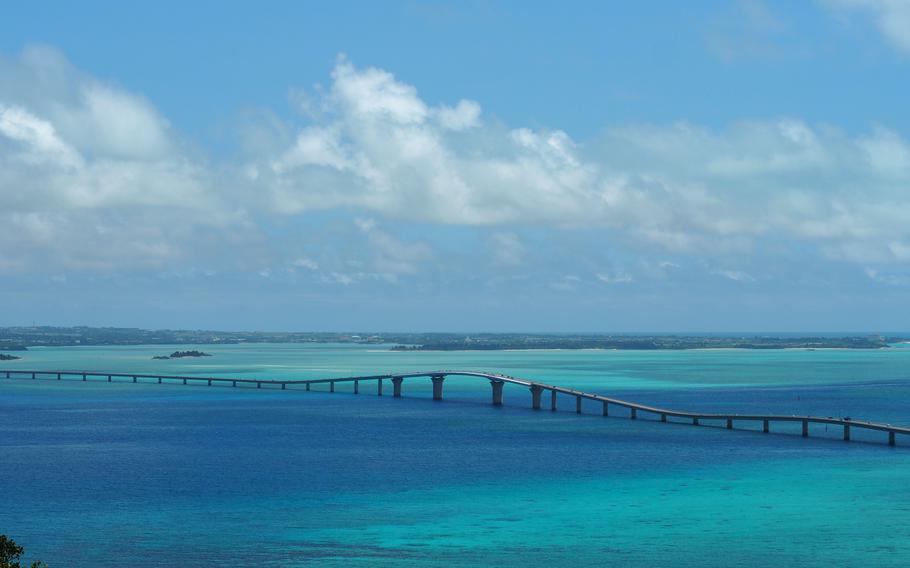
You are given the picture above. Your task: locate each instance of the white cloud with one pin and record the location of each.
(466, 114)
(307, 263)
(615, 277)
(735, 275)
(892, 17)
(91, 175)
(679, 187)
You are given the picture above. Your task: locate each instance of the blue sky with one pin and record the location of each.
(475, 166)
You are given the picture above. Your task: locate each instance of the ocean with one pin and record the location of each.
(146, 475)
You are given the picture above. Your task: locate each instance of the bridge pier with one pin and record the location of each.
(846, 432)
(159, 381)
(234, 384)
(766, 427)
(577, 405)
(58, 376)
(284, 386)
(552, 400)
(663, 417)
(258, 384)
(891, 438)
(497, 392)
(307, 385)
(805, 428)
(535, 396)
(356, 387)
(135, 380)
(184, 381)
(109, 378)
(729, 423)
(379, 387)
(33, 376)
(210, 382)
(332, 386)
(634, 413)
(437, 386)
(606, 408)
(695, 421)
(83, 377)
(396, 387)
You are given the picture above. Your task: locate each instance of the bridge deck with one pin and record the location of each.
(535, 386)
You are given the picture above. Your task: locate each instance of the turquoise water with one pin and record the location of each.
(98, 474)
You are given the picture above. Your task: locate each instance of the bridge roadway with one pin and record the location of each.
(497, 381)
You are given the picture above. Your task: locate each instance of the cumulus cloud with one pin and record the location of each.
(680, 187)
(91, 175)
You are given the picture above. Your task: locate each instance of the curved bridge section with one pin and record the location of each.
(497, 382)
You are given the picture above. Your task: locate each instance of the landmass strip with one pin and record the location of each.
(20, 338)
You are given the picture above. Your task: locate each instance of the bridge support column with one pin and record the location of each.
(284, 386)
(159, 381)
(396, 386)
(437, 386)
(634, 413)
(307, 385)
(58, 376)
(356, 387)
(83, 377)
(109, 378)
(552, 400)
(577, 405)
(184, 381)
(805, 428)
(729, 423)
(234, 384)
(135, 380)
(497, 392)
(846, 432)
(210, 382)
(258, 384)
(606, 408)
(766, 427)
(663, 417)
(332, 386)
(695, 421)
(379, 387)
(33, 376)
(891, 438)
(535, 396)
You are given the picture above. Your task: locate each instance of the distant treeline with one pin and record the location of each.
(19, 338)
(648, 343)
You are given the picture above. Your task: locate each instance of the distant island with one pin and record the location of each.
(5, 357)
(181, 354)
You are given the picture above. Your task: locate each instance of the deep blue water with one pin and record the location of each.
(98, 474)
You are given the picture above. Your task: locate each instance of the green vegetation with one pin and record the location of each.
(181, 354)
(10, 552)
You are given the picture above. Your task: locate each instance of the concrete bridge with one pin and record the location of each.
(497, 382)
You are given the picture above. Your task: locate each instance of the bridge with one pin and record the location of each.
(497, 382)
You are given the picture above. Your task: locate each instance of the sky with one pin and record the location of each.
(456, 166)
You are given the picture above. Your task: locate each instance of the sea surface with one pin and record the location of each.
(146, 475)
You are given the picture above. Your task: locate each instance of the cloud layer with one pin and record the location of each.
(95, 179)
(378, 146)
